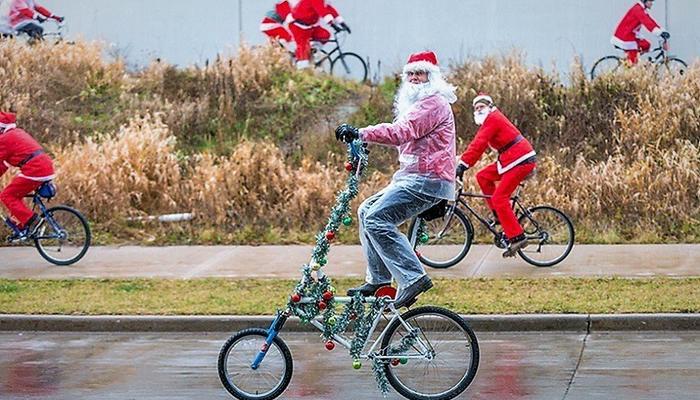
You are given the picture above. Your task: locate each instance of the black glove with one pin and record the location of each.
(461, 169)
(40, 19)
(665, 35)
(347, 133)
(345, 26)
(335, 27)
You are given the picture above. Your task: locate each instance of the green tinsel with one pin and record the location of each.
(379, 365)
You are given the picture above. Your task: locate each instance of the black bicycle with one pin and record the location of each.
(61, 234)
(444, 241)
(664, 63)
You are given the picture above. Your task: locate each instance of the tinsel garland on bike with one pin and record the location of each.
(322, 293)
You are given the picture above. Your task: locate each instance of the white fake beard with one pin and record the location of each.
(480, 116)
(410, 93)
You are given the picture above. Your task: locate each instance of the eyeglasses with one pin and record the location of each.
(416, 73)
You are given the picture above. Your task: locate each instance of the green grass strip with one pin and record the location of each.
(264, 296)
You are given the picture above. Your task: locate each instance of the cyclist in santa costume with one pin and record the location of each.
(275, 23)
(306, 27)
(18, 149)
(25, 16)
(627, 35)
(516, 160)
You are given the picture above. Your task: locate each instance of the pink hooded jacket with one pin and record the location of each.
(425, 137)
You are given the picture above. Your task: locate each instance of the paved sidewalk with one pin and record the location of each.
(344, 261)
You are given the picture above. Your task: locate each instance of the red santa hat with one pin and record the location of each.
(423, 61)
(7, 120)
(482, 98)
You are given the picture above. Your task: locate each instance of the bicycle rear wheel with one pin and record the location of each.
(550, 234)
(349, 66)
(672, 67)
(62, 236)
(606, 65)
(448, 239)
(443, 360)
(266, 382)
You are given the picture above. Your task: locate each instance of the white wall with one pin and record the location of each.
(548, 31)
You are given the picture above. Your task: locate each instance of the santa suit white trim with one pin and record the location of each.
(502, 170)
(38, 178)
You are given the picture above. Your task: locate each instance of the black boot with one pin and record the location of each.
(367, 289)
(409, 294)
(517, 243)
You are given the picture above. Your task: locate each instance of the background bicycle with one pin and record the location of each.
(53, 33)
(444, 241)
(335, 61)
(664, 63)
(61, 234)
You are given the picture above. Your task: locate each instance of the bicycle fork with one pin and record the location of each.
(272, 333)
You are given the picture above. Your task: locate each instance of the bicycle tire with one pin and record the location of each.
(450, 320)
(528, 222)
(674, 66)
(357, 68)
(282, 348)
(598, 66)
(62, 216)
(426, 257)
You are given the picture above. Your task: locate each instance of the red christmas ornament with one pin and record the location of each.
(330, 345)
(348, 166)
(330, 235)
(395, 362)
(296, 297)
(322, 305)
(327, 295)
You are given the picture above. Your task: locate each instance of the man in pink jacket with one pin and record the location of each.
(424, 134)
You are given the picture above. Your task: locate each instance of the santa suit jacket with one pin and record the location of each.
(308, 12)
(425, 137)
(627, 31)
(23, 12)
(16, 147)
(500, 134)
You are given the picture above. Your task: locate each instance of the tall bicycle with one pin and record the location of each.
(61, 234)
(426, 353)
(664, 63)
(444, 241)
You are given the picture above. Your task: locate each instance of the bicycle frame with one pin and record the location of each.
(44, 217)
(282, 317)
(327, 55)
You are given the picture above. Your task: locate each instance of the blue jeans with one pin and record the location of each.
(388, 251)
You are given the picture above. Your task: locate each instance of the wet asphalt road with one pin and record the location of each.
(619, 365)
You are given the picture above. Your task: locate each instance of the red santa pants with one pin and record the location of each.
(274, 30)
(303, 37)
(500, 193)
(643, 47)
(13, 199)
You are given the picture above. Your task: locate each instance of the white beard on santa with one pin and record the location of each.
(410, 93)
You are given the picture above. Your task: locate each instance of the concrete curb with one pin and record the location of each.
(484, 323)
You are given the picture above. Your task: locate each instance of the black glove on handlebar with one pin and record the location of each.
(461, 169)
(345, 26)
(347, 133)
(665, 35)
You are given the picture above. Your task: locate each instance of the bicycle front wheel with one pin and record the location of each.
(606, 65)
(266, 382)
(442, 361)
(62, 236)
(349, 66)
(445, 241)
(672, 67)
(550, 234)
